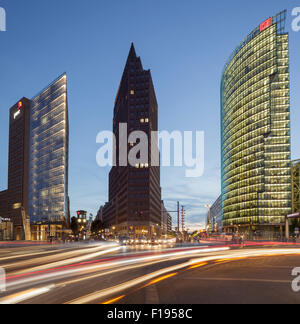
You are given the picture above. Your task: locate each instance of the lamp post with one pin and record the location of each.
(207, 217)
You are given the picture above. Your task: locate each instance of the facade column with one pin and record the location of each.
(287, 228)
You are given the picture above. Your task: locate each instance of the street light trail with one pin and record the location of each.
(25, 295)
(88, 254)
(130, 258)
(233, 256)
(23, 280)
(112, 301)
(85, 271)
(30, 254)
(16, 254)
(155, 281)
(122, 287)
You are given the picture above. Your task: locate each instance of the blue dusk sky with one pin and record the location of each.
(185, 43)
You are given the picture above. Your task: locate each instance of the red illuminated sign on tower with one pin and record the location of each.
(266, 24)
(18, 112)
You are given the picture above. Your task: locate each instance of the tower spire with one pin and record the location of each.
(132, 52)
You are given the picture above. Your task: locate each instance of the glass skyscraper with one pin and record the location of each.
(255, 131)
(48, 166)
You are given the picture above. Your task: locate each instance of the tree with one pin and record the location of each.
(97, 226)
(172, 233)
(74, 226)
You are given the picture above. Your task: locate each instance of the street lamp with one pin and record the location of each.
(207, 217)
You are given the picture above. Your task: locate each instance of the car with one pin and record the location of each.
(141, 240)
(124, 240)
(154, 241)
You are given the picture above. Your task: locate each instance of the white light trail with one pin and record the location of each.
(25, 295)
(135, 282)
(64, 273)
(88, 254)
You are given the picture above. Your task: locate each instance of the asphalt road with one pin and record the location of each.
(109, 273)
(253, 281)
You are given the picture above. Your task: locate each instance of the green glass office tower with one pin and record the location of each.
(255, 131)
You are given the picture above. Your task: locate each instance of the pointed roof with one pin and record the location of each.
(132, 52)
(131, 56)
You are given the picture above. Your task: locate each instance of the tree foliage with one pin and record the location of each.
(74, 226)
(97, 226)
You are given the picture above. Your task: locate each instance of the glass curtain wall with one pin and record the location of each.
(48, 196)
(255, 126)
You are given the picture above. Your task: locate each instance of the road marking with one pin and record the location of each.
(151, 292)
(151, 297)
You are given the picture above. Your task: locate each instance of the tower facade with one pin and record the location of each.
(255, 118)
(49, 157)
(134, 206)
(18, 163)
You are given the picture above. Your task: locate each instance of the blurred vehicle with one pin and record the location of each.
(155, 241)
(124, 240)
(141, 240)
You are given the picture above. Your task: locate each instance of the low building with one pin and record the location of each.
(215, 216)
(109, 217)
(99, 216)
(6, 229)
(83, 224)
(81, 216)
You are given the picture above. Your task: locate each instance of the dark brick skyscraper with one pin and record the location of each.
(134, 191)
(18, 161)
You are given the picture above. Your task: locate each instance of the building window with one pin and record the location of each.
(16, 205)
